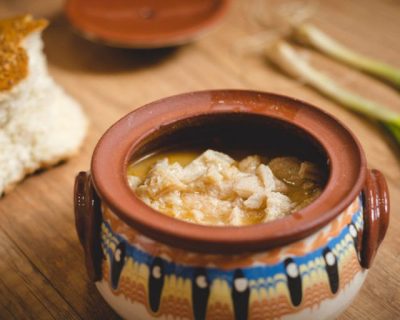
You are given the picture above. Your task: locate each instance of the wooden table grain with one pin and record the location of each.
(42, 274)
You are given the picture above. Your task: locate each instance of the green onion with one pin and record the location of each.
(315, 38)
(285, 57)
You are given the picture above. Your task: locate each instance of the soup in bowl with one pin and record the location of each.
(212, 188)
(227, 204)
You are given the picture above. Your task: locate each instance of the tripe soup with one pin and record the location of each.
(212, 188)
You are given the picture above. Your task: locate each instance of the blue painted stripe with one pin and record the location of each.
(251, 273)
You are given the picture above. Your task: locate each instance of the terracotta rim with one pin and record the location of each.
(141, 37)
(114, 150)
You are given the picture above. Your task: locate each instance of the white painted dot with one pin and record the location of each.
(292, 270)
(117, 255)
(156, 272)
(201, 282)
(241, 284)
(353, 231)
(330, 259)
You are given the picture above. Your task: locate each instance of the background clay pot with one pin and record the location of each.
(144, 23)
(309, 265)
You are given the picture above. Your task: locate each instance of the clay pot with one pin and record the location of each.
(144, 23)
(309, 265)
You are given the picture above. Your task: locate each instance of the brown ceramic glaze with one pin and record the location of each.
(144, 23)
(376, 215)
(230, 115)
(128, 245)
(88, 219)
(135, 134)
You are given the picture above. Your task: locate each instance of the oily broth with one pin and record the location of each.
(141, 167)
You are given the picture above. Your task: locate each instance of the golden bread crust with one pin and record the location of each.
(13, 57)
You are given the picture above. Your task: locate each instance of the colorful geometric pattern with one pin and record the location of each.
(177, 283)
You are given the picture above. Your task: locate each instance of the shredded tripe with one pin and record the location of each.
(214, 189)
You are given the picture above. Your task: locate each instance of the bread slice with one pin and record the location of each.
(40, 125)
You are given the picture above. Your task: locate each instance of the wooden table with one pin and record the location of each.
(42, 274)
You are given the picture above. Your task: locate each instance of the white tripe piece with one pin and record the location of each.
(134, 182)
(213, 189)
(278, 205)
(249, 164)
(236, 217)
(266, 176)
(255, 201)
(39, 123)
(247, 185)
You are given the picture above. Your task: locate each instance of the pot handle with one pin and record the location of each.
(88, 223)
(376, 215)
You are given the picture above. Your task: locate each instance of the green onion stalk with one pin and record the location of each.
(286, 58)
(312, 36)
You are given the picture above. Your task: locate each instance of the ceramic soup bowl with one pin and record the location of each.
(308, 265)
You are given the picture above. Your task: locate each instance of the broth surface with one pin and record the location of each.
(210, 187)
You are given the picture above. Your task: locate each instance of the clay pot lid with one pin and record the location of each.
(114, 150)
(144, 23)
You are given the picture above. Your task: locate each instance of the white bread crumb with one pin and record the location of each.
(40, 124)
